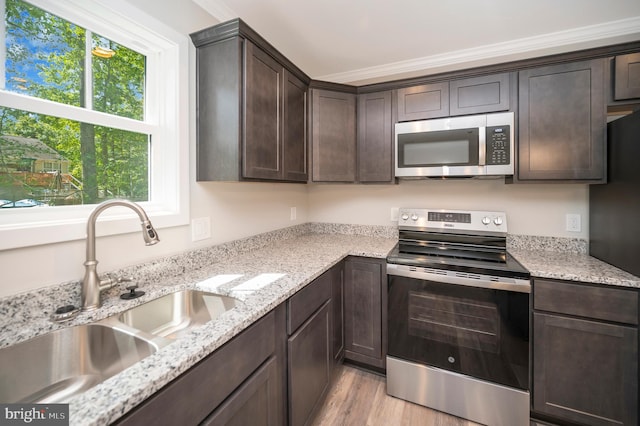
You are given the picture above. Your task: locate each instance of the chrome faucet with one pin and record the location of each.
(92, 285)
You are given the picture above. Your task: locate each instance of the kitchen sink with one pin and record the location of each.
(172, 315)
(55, 366)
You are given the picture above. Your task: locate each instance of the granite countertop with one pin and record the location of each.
(262, 279)
(262, 271)
(573, 267)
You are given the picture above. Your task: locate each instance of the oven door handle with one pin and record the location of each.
(460, 278)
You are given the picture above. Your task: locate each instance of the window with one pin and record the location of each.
(92, 107)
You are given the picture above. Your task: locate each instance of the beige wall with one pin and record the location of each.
(531, 209)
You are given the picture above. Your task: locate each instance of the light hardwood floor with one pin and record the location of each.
(359, 398)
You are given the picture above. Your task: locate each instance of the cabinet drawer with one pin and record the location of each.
(192, 396)
(304, 303)
(605, 303)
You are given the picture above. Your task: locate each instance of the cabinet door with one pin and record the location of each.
(375, 137)
(363, 312)
(562, 122)
(334, 136)
(479, 94)
(422, 102)
(294, 144)
(255, 403)
(261, 157)
(585, 371)
(627, 77)
(310, 364)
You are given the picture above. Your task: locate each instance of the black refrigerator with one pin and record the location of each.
(614, 208)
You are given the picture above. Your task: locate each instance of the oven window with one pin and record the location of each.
(438, 148)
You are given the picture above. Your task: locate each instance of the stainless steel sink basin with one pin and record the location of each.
(53, 367)
(176, 313)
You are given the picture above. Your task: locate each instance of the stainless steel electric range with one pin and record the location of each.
(458, 317)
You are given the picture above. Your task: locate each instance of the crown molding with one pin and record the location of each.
(623, 30)
(218, 9)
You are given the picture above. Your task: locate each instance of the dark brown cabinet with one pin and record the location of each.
(626, 77)
(585, 353)
(251, 109)
(473, 95)
(337, 314)
(562, 123)
(244, 377)
(423, 102)
(310, 348)
(375, 138)
(365, 311)
(333, 136)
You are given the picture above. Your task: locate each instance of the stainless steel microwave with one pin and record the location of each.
(468, 146)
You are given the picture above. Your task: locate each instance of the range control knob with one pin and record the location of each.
(414, 217)
(405, 216)
(498, 221)
(486, 220)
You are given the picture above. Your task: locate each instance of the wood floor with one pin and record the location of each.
(359, 398)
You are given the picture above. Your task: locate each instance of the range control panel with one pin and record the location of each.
(468, 220)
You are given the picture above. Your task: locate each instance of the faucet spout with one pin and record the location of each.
(92, 285)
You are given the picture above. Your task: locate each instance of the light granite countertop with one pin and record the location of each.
(262, 278)
(262, 271)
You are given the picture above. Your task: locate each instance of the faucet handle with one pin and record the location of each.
(125, 280)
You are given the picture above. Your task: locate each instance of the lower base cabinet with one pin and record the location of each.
(585, 354)
(365, 310)
(241, 383)
(309, 349)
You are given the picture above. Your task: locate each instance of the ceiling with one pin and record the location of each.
(366, 41)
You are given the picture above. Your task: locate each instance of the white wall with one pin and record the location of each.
(531, 209)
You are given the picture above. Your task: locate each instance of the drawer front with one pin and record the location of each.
(604, 303)
(305, 302)
(193, 395)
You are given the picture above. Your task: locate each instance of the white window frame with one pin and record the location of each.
(166, 120)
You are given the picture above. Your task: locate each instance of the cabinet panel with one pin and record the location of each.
(363, 312)
(337, 307)
(627, 77)
(306, 301)
(422, 102)
(253, 403)
(375, 137)
(562, 122)
(310, 363)
(584, 371)
(604, 303)
(262, 130)
(195, 394)
(479, 94)
(294, 144)
(334, 136)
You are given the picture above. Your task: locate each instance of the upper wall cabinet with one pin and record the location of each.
(375, 138)
(562, 123)
(333, 136)
(626, 83)
(251, 106)
(472, 95)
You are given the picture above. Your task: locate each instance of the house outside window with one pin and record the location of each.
(92, 107)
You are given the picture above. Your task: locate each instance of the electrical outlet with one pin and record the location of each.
(573, 222)
(293, 213)
(394, 214)
(200, 228)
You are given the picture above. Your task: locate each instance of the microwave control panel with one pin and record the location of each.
(498, 145)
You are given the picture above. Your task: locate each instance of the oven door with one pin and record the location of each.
(479, 332)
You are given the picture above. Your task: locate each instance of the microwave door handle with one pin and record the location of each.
(482, 146)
